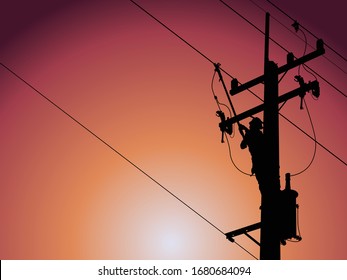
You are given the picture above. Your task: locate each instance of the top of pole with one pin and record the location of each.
(267, 38)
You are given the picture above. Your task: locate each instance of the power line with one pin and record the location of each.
(118, 153)
(179, 37)
(233, 162)
(329, 83)
(315, 143)
(252, 24)
(288, 120)
(243, 248)
(173, 32)
(283, 12)
(283, 48)
(322, 146)
(109, 146)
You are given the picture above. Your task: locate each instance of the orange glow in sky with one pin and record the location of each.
(66, 195)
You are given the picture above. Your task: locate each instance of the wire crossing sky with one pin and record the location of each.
(119, 154)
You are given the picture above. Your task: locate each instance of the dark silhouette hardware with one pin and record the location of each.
(223, 125)
(278, 207)
(287, 220)
(288, 212)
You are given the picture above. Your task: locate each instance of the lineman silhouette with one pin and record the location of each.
(254, 140)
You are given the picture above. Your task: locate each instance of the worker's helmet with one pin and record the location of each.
(256, 123)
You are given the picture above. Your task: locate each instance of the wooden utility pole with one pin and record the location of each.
(271, 195)
(269, 235)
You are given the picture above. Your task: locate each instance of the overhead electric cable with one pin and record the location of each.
(233, 162)
(305, 49)
(173, 32)
(243, 248)
(315, 143)
(108, 145)
(283, 12)
(117, 152)
(179, 37)
(252, 24)
(322, 146)
(325, 80)
(292, 123)
(216, 98)
(283, 48)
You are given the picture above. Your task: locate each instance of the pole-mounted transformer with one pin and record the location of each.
(288, 212)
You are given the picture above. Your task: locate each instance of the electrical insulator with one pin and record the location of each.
(234, 85)
(320, 44)
(288, 211)
(315, 88)
(290, 58)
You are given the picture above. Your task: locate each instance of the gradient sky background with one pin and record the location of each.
(65, 195)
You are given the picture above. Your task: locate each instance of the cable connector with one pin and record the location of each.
(230, 238)
(223, 125)
(234, 85)
(296, 26)
(302, 94)
(315, 88)
(320, 45)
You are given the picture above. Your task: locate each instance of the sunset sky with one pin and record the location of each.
(66, 195)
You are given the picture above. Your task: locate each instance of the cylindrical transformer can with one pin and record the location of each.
(288, 212)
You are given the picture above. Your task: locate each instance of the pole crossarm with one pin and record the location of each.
(245, 230)
(291, 64)
(283, 98)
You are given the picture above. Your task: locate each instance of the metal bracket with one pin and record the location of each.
(245, 230)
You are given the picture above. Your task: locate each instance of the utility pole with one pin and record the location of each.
(273, 219)
(269, 236)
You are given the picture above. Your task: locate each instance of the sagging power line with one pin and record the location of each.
(50, 101)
